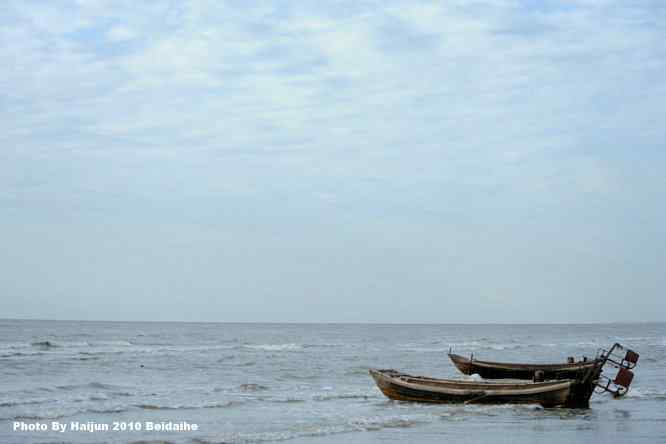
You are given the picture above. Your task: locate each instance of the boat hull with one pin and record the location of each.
(403, 387)
(502, 370)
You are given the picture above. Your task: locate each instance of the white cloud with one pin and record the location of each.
(120, 33)
(264, 75)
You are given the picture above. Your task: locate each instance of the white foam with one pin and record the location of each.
(274, 347)
(362, 424)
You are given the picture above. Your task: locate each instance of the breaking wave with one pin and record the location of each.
(343, 396)
(91, 385)
(215, 405)
(274, 347)
(646, 394)
(366, 424)
(110, 344)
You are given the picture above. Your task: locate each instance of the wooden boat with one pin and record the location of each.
(565, 393)
(506, 370)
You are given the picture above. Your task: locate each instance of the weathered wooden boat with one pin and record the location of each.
(570, 393)
(403, 387)
(507, 370)
(570, 370)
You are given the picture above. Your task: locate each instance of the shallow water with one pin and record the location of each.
(304, 383)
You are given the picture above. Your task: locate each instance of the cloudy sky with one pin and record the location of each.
(342, 161)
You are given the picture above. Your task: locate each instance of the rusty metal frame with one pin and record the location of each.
(619, 385)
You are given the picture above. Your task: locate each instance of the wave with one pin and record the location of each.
(36, 417)
(312, 431)
(141, 441)
(88, 358)
(291, 376)
(653, 341)
(114, 347)
(646, 393)
(18, 354)
(91, 385)
(49, 344)
(13, 345)
(328, 345)
(108, 410)
(274, 347)
(123, 393)
(506, 346)
(60, 400)
(457, 413)
(44, 345)
(283, 400)
(343, 396)
(467, 346)
(357, 371)
(24, 402)
(110, 344)
(216, 405)
(59, 415)
(252, 387)
(373, 423)
(98, 353)
(66, 344)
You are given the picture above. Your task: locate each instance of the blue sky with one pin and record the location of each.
(352, 161)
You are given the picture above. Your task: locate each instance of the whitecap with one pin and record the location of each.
(211, 405)
(274, 347)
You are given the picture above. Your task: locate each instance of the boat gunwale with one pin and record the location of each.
(457, 387)
(457, 359)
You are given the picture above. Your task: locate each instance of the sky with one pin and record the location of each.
(333, 161)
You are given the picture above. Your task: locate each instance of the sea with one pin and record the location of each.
(301, 383)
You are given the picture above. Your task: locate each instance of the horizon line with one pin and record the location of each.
(334, 322)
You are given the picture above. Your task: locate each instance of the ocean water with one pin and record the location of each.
(303, 383)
